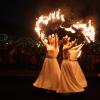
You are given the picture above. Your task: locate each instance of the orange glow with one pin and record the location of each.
(44, 20)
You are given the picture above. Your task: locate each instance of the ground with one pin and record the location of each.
(20, 88)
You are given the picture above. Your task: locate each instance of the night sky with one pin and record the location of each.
(18, 16)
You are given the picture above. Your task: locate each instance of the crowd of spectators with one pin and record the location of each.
(13, 57)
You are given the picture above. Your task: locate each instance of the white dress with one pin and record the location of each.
(72, 78)
(50, 72)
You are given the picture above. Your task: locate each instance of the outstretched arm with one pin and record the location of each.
(78, 47)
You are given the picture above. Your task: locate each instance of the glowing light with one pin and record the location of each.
(44, 20)
(87, 30)
(79, 54)
(68, 29)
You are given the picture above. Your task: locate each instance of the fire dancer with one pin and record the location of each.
(50, 74)
(72, 79)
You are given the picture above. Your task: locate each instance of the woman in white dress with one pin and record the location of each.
(72, 79)
(50, 72)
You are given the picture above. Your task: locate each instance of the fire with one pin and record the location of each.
(70, 29)
(88, 30)
(44, 20)
(79, 54)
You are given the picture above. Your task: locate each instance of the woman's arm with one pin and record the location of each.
(78, 47)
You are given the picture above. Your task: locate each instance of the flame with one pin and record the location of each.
(87, 30)
(79, 54)
(44, 20)
(68, 29)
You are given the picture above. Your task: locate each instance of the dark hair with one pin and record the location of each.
(64, 40)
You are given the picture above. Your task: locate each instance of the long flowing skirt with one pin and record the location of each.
(72, 78)
(49, 76)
